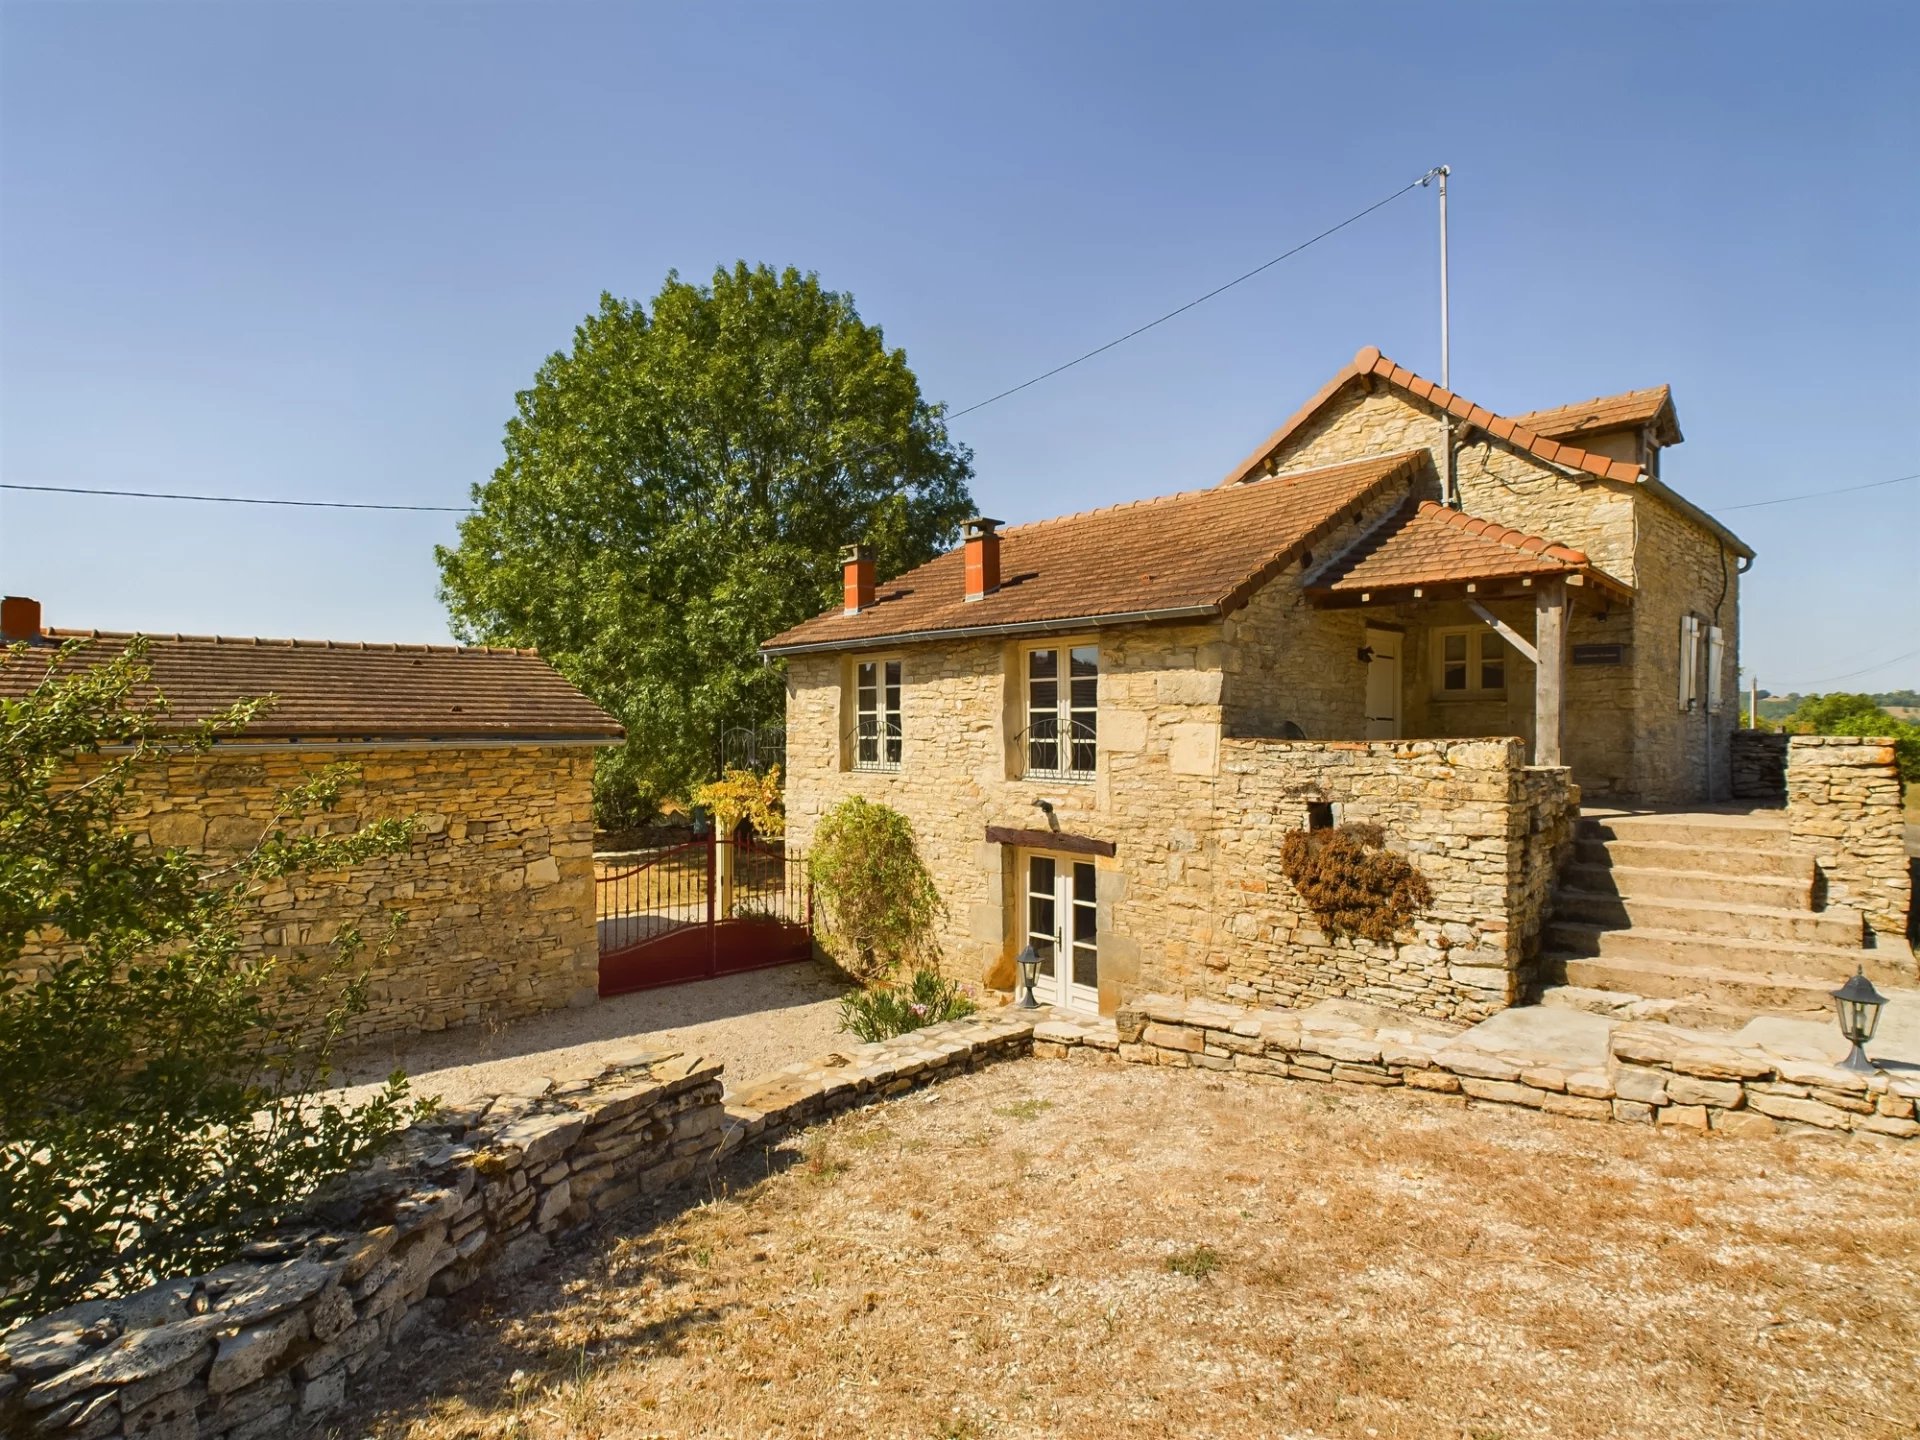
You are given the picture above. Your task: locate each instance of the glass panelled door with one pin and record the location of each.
(1061, 927)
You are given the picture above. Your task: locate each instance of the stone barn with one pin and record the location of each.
(490, 751)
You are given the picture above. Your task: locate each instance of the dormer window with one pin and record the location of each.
(1063, 704)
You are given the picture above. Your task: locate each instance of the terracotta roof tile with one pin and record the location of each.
(1203, 551)
(1631, 410)
(342, 690)
(1425, 543)
(1521, 436)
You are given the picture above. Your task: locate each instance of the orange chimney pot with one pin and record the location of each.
(856, 572)
(982, 544)
(19, 618)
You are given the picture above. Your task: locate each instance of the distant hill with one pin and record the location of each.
(1901, 704)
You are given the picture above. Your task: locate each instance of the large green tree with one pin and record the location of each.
(676, 489)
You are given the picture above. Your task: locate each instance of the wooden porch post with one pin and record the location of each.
(1549, 671)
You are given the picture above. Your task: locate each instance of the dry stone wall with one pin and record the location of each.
(274, 1343)
(1652, 1074)
(1759, 764)
(495, 893)
(1843, 808)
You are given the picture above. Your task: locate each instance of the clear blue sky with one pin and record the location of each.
(311, 250)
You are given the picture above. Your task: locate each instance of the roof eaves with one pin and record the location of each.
(1010, 627)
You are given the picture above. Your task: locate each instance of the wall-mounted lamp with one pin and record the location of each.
(1365, 653)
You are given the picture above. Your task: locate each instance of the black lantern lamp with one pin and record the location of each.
(1858, 1004)
(1028, 961)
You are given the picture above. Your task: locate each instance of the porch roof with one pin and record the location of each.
(1425, 544)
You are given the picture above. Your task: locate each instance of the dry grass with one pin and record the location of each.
(1047, 1250)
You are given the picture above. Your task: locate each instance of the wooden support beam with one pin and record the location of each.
(1507, 633)
(1049, 840)
(1549, 672)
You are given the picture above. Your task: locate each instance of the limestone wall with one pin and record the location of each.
(1626, 734)
(1651, 1074)
(1759, 765)
(1192, 898)
(1590, 514)
(496, 890)
(1481, 826)
(1682, 756)
(1843, 808)
(1153, 794)
(274, 1343)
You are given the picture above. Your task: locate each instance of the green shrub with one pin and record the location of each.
(1844, 714)
(883, 1013)
(154, 1114)
(877, 903)
(1351, 882)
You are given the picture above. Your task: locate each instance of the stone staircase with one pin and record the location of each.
(1702, 918)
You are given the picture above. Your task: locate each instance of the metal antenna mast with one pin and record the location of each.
(1440, 173)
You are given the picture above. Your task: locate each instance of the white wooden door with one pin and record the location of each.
(1383, 684)
(1061, 926)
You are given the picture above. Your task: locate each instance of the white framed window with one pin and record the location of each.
(877, 733)
(1062, 710)
(1469, 662)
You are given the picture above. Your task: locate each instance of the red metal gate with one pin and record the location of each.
(709, 907)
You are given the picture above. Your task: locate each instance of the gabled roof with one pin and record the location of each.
(1424, 543)
(1629, 411)
(344, 691)
(1370, 362)
(1200, 553)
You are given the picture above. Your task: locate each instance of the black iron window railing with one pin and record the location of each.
(1047, 752)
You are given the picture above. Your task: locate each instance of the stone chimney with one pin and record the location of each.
(856, 571)
(19, 619)
(983, 557)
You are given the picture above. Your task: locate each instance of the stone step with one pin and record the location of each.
(1659, 882)
(1692, 1012)
(1719, 859)
(1837, 929)
(1705, 990)
(1705, 828)
(1831, 964)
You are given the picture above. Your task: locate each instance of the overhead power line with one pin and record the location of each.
(1865, 670)
(1822, 494)
(237, 499)
(1200, 300)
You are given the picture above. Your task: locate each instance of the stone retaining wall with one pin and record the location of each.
(1654, 1074)
(274, 1342)
(1759, 765)
(1843, 808)
(1483, 827)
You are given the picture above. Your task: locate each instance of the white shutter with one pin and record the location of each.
(1689, 659)
(1716, 657)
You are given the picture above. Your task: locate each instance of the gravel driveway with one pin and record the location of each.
(751, 1023)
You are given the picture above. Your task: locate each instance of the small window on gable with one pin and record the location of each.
(1469, 662)
(877, 733)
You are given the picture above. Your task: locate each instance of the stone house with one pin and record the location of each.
(1400, 607)
(491, 752)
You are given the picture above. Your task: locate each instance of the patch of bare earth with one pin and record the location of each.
(1044, 1249)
